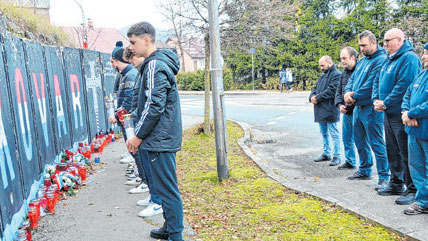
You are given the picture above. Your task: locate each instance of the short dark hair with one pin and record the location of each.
(128, 54)
(141, 29)
(368, 34)
(351, 52)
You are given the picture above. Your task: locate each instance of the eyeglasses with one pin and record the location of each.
(389, 40)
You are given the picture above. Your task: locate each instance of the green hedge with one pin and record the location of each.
(195, 80)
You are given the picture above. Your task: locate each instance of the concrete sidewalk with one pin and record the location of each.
(104, 210)
(288, 159)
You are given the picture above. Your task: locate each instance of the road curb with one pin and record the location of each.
(341, 205)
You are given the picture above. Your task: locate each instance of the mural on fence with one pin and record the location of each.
(50, 99)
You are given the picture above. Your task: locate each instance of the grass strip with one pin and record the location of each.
(251, 206)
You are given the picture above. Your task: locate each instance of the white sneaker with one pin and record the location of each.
(142, 188)
(151, 210)
(133, 175)
(145, 202)
(134, 182)
(127, 160)
(124, 155)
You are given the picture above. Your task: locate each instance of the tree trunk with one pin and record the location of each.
(207, 129)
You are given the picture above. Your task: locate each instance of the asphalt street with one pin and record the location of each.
(283, 139)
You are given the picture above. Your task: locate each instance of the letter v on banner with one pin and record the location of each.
(77, 107)
(59, 108)
(23, 108)
(42, 104)
(5, 158)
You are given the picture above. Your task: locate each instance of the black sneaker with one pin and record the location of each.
(391, 190)
(335, 161)
(322, 158)
(359, 176)
(406, 199)
(159, 233)
(415, 209)
(381, 184)
(345, 166)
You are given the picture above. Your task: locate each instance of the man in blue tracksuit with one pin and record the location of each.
(396, 74)
(348, 58)
(415, 118)
(159, 129)
(326, 114)
(368, 123)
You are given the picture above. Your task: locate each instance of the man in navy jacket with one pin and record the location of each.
(325, 111)
(399, 70)
(159, 130)
(415, 118)
(368, 124)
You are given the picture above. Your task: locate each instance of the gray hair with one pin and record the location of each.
(367, 34)
(142, 29)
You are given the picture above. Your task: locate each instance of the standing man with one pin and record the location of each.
(289, 76)
(325, 111)
(159, 130)
(368, 123)
(415, 117)
(348, 58)
(399, 70)
(282, 78)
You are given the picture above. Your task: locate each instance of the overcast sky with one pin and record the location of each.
(107, 13)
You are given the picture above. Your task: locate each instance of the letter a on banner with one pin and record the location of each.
(24, 123)
(5, 158)
(59, 108)
(42, 104)
(75, 92)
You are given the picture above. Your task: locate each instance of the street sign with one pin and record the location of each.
(252, 50)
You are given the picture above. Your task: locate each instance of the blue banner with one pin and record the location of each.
(58, 94)
(11, 193)
(77, 103)
(22, 110)
(94, 92)
(40, 99)
(108, 76)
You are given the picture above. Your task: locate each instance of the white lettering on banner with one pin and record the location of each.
(5, 155)
(41, 100)
(24, 124)
(59, 108)
(92, 82)
(75, 94)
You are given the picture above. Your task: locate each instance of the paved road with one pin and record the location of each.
(286, 141)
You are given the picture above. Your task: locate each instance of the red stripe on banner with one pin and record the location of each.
(19, 82)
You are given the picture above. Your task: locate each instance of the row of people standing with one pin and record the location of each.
(155, 110)
(369, 93)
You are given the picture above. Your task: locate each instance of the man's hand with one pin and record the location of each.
(407, 120)
(413, 122)
(343, 109)
(133, 143)
(378, 106)
(314, 100)
(112, 120)
(349, 100)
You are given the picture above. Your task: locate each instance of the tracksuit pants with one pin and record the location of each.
(418, 163)
(348, 138)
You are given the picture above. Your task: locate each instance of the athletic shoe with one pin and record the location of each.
(134, 182)
(359, 176)
(124, 155)
(160, 233)
(145, 202)
(142, 188)
(382, 184)
(416, 209)
(151, 210)
(127, 160)
(133, 175)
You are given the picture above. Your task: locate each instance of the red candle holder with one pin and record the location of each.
(32, 215)
(26, 227)
(36, 204)
(51, 202)
(47, 182)
(82, 172)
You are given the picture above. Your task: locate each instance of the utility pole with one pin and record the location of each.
(85, 30)
(253, 51)
(218, 92)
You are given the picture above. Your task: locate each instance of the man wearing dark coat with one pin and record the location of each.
(326, 114)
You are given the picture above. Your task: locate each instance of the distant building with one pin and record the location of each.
(194, 53)
(39, 7)
(99, 39)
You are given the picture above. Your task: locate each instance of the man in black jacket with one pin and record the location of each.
(158, 130)
(348, 58)
(325, 111)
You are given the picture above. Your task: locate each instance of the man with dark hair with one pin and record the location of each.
(325, 112)
(348, 58)
(158, 129)
(368, 124)
(415, 117)
(282, 78)
(399, 70)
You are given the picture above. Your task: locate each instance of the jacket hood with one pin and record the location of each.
(166, 56)
(407, 46)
